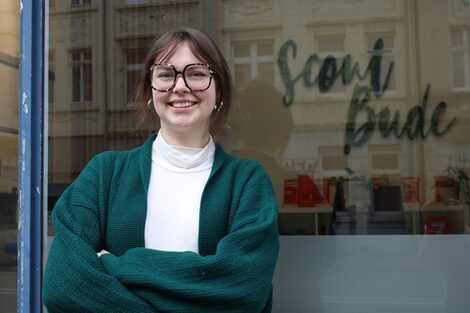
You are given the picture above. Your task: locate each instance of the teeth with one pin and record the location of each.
(182, 104)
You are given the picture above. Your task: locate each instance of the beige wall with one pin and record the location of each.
(9, 27)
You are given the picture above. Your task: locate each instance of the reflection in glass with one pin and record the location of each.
(409, 93)
(460, 59)
(392, 182)
(134, 64)
(458, 70)
(9, 63)
(81, 75)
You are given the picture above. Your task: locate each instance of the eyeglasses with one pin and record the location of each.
(196, 76)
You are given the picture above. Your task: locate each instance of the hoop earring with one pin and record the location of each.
(149, 103)
(218, 108)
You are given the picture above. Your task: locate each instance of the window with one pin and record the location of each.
(333, 158)
(132, 2)
(80, 2)
(253, 60)
(51, 76)
(384, 158)
(134, 65)
(382, 46)
(331, 55)
(81, 75)
(460, 42)
(276, 50)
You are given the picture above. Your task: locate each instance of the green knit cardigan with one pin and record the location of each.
(105, 208)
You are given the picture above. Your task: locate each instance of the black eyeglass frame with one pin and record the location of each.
(211, 73)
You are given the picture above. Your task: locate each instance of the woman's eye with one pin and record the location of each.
(197, 74)
(164, 75)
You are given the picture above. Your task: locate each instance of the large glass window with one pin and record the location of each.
(358, 110)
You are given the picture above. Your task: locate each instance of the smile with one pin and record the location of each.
(182, 104)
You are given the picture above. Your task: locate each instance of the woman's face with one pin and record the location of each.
(184, 112)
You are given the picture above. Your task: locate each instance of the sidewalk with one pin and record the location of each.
(8, 280)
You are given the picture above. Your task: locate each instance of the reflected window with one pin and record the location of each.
(331, 55)
(253, 59)
(81, 75)
(51, 76)
(132, 2)
(80, 2)
(384, 159)
(332, 158)
(134, 65)
(383, 45)
(460, 59)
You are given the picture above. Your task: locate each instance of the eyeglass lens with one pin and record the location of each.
(196, 76)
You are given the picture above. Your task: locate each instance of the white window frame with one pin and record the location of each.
(135, 2)
(465, 48)
(82, 81)
(386, 52)
(80, 3)
(339, 56)
(131, 67)
(253, 59)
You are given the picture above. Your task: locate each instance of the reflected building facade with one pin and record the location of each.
(331, 90)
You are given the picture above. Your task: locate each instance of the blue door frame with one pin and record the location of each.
(30, 149)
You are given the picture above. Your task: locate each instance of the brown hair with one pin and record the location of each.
(205, 49)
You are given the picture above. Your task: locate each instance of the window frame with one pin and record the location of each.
(465, 49)
(31, 147)
(339, 56)
(81, 64)
(80, 3)
(128, 66)
(387, 52)
(254, 59)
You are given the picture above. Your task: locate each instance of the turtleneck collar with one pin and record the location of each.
(182, 157)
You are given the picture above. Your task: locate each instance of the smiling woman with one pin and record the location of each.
(185, 106)
(193, 54)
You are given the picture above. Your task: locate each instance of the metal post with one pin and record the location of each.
(31, 134)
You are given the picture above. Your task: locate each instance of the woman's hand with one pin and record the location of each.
(102, 252)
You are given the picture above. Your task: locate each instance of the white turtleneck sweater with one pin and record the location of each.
(177, 178)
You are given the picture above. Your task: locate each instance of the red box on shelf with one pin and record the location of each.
(437, 225)
(290, 191)
(410, 189)
(305, 186)
(311, 191)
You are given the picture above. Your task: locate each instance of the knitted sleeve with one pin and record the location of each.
(237, 278)
(74, 279)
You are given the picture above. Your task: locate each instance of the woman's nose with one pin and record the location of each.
(180, 85)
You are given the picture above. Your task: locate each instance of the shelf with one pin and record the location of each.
(309, 210)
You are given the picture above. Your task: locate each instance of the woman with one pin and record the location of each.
(176, 225)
